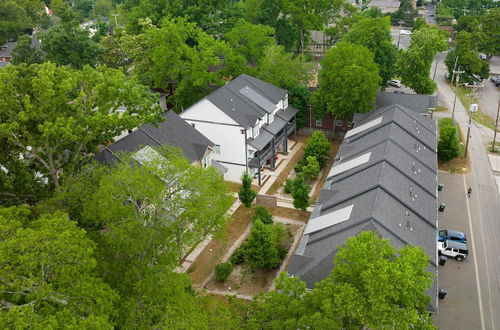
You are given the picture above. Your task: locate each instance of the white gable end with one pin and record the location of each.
(205, 110)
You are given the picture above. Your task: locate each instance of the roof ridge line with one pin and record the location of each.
(406, 112)
(337, 231)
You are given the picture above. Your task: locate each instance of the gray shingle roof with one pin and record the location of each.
(173, 131)
(246, 99)
(6, 49)
(415, 102)
(392, 193)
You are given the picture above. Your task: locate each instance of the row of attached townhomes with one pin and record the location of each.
(384, 179)
(248, 120)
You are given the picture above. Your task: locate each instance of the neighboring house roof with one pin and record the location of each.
(384, 179)
(385, 6)
(420, 103)
(6, 49)
(246, 99)
(173, 131)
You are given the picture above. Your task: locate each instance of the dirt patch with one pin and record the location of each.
(205, 264)
(288, 213)
(235, 187)
(246, 280)
(458, 165)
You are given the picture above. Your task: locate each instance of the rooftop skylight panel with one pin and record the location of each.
(328, 220)
(365, 126)
(258, 99)
(350, 164)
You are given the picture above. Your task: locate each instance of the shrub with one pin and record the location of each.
(300, 164)
(246, 194)
(448, 146)
(288, 185)
(239, 255)
(223, 270)
(300, 193)
(311, 169)
(317, 145)
(263, 250)
(262, 213)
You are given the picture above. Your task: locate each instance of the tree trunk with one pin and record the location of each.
(302, 42)
(334, 126)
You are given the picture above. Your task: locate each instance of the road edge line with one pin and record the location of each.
(478, 286)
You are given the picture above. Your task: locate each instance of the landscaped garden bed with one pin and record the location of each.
(246, 279)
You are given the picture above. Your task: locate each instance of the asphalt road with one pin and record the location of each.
(483, 210)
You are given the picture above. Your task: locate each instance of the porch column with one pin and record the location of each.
(258, 169)
(285, 143)
(273, 152)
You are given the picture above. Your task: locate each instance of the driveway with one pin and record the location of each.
(404, 39)
(460, 308)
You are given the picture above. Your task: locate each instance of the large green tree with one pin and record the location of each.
(490, 27)
(414, 64)
(178, 53)
(250, 40)
(466, 57)
(168, 301)
(57, 117)
(348, 81)
(147, 215)
(18, 17)
(375, 34)
(371, 286)
(283, 69)
(47, 272)
(68, 44)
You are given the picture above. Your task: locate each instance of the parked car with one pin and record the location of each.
(451, 235)
(395, 83)
(447, 76)
(453, 249)
(495, 80)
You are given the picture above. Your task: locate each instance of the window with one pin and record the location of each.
(206, 161)
(319, 122)
(217, 149)
(192, 124)
(318, 46)
(255, 131)
(285, 103)
(338, 123)
(271, 117)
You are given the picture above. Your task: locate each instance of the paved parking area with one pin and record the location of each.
(460, 308)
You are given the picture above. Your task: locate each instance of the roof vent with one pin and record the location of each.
(233, 109)
(411, 228)
(407, 213)
(400, 225)
(407, 223)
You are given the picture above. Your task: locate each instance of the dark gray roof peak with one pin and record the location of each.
(173, 131)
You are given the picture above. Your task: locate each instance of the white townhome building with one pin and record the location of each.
(248, 120)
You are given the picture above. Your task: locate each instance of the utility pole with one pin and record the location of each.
(454, 68)
(399, 35)
(456, 86)
(495, 130)
(436, 66)
(468, 135)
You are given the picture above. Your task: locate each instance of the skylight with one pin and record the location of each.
(363, 127)
(360, 160)
(328, 220)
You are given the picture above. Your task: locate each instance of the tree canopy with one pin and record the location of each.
(414, 64)
(250, 40)
(466, 49)
(371, 286)
(69, 44)
(375, 34)
(57, 116)
(177, 53)
(47, 271)
(348, 80)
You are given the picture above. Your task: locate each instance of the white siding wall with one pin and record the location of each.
(230, 138)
